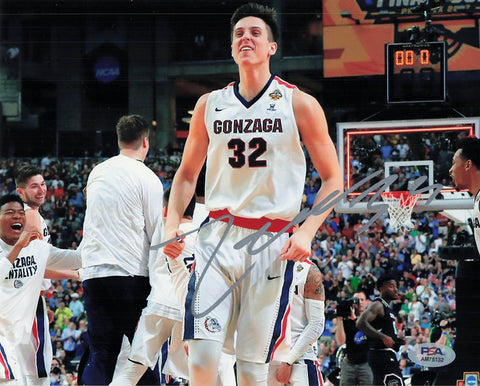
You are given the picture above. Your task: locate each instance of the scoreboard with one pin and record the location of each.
(415, 72)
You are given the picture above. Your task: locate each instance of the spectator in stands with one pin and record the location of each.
(346, 266)
(82, 341)
(70, 335)
(63, 315)
(54, 301)
(76, 306)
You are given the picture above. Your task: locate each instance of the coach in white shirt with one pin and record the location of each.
(124, 206)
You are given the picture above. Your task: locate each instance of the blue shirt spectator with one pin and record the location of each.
(76, 305)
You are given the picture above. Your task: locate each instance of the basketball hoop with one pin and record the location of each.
(400, 206)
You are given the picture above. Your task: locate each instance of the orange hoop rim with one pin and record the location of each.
(404, 198)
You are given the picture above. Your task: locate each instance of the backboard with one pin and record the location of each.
(409, 155)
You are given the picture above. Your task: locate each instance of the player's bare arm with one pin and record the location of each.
(32, 221)
(314, 285)
(363, 324)
(340, 336)
(62, 274)
(22, 242)
(185, 180)
(312, 125)
(33, 224)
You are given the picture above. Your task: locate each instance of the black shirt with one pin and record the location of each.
(356, 343)
(385, 324)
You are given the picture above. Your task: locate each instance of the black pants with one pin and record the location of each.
(114, 305)
(385, 367)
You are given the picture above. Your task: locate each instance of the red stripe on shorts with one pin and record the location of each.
(284, 331)
(252, 223)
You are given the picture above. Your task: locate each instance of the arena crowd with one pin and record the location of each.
(350, 257)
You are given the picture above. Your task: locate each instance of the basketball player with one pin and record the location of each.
(465, 172)
(226, 371)
(32, 189)
(162, 318)
(300, 366)
(249, 133)
(180, 268)
(23, 261)
(124, 208)
(378, 323)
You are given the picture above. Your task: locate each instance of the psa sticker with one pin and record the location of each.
(431, 355)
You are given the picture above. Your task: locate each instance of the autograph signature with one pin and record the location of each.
(326, 204)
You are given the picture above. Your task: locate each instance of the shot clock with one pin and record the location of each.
(415, 72)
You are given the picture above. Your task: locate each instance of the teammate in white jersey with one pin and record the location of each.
(300, 365)
(249, 133)
(124, 208)
(32, 189)
(465, 172)
(23, 261)
(162, 317)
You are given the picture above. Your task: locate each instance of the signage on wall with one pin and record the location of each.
(106, 69)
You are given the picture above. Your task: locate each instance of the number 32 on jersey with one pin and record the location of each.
(247, 153)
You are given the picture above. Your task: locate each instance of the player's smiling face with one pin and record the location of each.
(458, 171)
(12, 222)
(34, 191)
(252, 41)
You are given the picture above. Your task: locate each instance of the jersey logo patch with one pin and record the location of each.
(218, 109)
(17, 283)
(212, 325)
(272, 277)
(275, 95)
(272, 107)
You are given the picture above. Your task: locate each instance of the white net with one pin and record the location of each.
(400, 206)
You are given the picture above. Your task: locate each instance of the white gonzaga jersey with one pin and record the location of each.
(298, 317)
(200, 214)
(180, 267)
(167, 289)
(21, 283)
(255, 162)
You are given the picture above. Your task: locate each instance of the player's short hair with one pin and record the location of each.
(24, 173)
(190, 207)
(267, 14)
(470, 150)
(384, 280)
(131, 128)
(361, 292)
(10, 198)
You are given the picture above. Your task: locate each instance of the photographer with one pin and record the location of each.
(354, 369)
(443, 324)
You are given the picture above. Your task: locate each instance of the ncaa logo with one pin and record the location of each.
(471, 380)
(18, 284)
(212, 325)
(359, 337)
